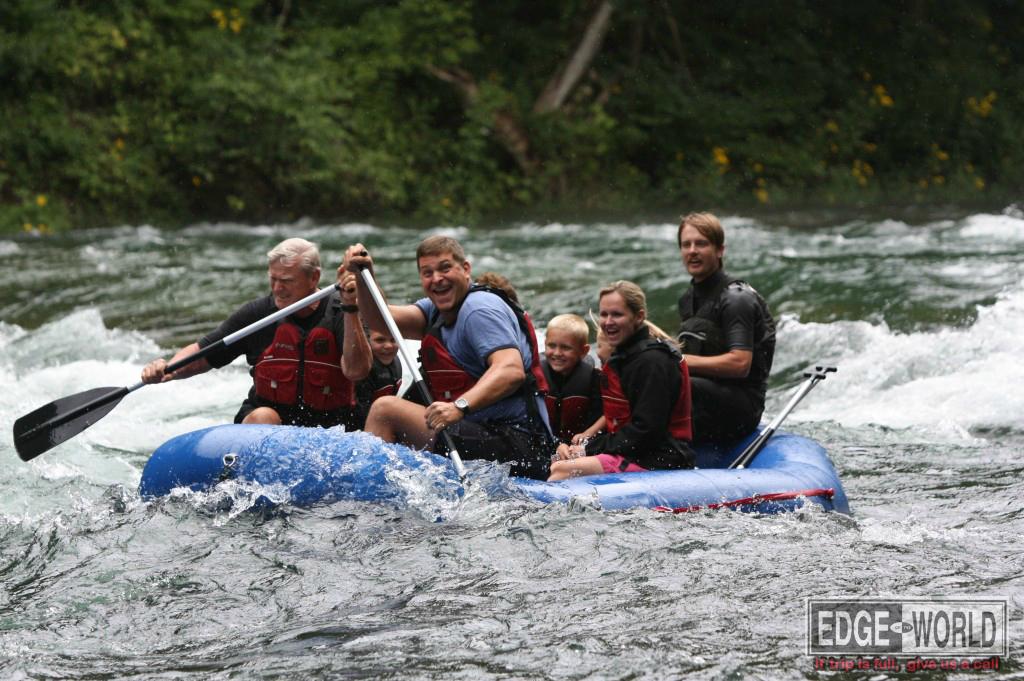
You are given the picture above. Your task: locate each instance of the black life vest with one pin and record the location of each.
(447, 379)
(384, 380)
(568, 409)
(301, 368)
(617, 411)
(699, 332)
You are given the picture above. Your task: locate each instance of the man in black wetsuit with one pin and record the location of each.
(304, 367)
(727, 335)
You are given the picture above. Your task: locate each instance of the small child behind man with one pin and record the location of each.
(385, 377)
(574, 387)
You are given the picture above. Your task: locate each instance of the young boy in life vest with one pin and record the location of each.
(385, 377)
(574, 388)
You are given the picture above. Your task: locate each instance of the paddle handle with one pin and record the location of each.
(389, 320)
(814, 377)
(119, 393)
(248, 330)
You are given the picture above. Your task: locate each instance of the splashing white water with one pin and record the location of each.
(950, 379)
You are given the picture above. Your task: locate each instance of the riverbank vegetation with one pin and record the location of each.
(133, 111)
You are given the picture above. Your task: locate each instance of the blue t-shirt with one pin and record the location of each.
(485, 325)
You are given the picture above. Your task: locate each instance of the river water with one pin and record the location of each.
(923, 315)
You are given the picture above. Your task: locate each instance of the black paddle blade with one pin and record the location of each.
(53, 423)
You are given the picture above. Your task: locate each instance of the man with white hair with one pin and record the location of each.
(305, 366)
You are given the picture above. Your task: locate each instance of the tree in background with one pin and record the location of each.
(144, 111)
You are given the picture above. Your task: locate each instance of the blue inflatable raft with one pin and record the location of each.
(306, 466)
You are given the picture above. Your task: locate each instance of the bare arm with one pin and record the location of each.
(732, 364)
(356, 358)
(595, 428)
(409, 318)
(154, 372)
(503, 377)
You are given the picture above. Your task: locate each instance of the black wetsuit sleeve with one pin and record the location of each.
(651, 383)
(248, 313)
(739, 312)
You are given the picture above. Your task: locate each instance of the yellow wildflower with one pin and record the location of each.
(758, 167)
(862, 170)
(41, 200)
(27, 227)
(982, 107)
(831, 125)
(882, 96)
(196, 181)
(762, 194)
(119, 144)
(446, 202)
(721, 158)
(979, 183)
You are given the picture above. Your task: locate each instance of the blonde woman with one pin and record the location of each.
(646, 396)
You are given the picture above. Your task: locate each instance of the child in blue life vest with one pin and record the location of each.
(574, 387)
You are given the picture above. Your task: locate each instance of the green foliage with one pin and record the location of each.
(139, 110)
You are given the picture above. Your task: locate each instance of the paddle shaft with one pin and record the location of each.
(382, 306)
(814, 377)
(120, 393)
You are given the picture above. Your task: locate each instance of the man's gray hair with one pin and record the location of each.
(296, 251)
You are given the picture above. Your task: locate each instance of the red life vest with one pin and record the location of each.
(567, 410)
(616, 407)
(300, 368)
(447, 379)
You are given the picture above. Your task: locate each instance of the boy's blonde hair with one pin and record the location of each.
(574, 325)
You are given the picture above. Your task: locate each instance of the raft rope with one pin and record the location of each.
(825, 492)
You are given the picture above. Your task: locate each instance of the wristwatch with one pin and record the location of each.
(463, 405)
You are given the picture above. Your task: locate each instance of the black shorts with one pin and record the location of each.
(300, 416)
(723, 412)
(528, 450)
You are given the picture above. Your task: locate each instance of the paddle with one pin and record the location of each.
(813, 377)
(53, 423)
(418, 382)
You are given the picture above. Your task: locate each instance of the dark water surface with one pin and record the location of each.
(924, 421)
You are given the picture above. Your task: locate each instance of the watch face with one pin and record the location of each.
(462, 404)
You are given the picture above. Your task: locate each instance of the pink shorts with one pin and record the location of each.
(613, 463)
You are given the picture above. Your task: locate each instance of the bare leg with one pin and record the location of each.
(393, 419)
(263, 415)
(571, 468)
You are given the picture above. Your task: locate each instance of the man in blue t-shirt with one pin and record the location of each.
(477, 361)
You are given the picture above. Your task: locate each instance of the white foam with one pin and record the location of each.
(948, 380)
(986, 227)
